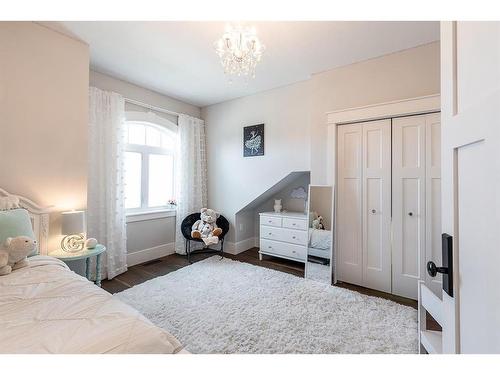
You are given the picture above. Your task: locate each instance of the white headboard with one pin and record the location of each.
(39, 219)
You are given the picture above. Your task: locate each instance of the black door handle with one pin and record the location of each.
(433, 270)
(447, 268)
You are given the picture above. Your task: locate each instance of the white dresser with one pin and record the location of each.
(284, 235)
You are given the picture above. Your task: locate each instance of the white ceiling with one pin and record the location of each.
(178, 59)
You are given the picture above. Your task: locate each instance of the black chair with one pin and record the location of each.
(186, 228)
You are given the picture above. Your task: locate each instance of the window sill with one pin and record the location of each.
(132, 217)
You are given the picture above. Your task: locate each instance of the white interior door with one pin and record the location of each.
(470, 131)
(376, 204)
(433, 199)
(349, 204)
(408, 203)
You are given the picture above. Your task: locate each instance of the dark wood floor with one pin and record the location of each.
(159, 267)
(162, 266)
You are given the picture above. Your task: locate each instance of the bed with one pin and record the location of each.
(320, 243)
(47, 308)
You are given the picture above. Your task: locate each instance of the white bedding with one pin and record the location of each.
(46, 308)
(320, 239)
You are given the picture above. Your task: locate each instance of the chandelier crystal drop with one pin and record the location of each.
(239, 50)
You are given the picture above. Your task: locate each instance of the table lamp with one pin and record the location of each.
(73, 229)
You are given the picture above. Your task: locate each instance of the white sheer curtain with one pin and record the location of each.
(191, 172)
(105, 197)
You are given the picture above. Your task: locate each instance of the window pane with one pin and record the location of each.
(161, 179)
(153, 136)
(132, 180)
(136, 134)
(167, 141)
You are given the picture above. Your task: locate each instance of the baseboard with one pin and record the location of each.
(235, 248)
(152, 253)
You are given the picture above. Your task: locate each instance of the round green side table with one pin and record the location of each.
(83, 254)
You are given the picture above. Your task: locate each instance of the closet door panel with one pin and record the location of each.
(410, 240)
(349, 204)
(377, 204)
(433, 199)
(408, 203)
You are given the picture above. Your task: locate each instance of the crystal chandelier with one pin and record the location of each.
(239, 50)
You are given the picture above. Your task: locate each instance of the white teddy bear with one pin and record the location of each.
(206, 228)
(14, 253)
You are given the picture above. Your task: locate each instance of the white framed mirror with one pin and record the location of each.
(319, 263)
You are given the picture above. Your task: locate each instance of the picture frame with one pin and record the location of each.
(253, 140)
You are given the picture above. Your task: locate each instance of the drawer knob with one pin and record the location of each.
(294, 224)
(410, 213)
(270, 234)
(293, 237)
(293, 251)
(374, 211)
(270, 221)
(269, 247)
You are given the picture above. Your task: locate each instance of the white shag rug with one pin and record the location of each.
(225, 306)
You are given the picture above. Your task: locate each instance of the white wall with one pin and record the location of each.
(405, 74)
(296, 134)
(131, 91)
(146, 239)
(44, 115)
(234, 181)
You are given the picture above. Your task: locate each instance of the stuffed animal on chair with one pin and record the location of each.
(14, 253)
(206, 228)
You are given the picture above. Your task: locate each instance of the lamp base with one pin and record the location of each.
(73, 243)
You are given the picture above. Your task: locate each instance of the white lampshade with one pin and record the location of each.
(73, 222)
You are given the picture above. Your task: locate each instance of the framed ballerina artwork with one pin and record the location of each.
(253, 140)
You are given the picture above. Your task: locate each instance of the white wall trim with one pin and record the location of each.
(235, 248)
(152, 253)
(132, 217)
(410, 106)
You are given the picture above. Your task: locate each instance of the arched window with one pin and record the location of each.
(150, 156)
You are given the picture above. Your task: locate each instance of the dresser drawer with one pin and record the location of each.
(299, 237)
(300, 224)
(271, 233)
(271, 221)
(283, 249)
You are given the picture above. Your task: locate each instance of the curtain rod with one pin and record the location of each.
(152, 107)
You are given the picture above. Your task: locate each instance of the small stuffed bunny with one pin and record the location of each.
(14, 253)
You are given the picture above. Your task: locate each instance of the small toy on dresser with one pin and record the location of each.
(14, 253)
(206, 228)
(277, 206)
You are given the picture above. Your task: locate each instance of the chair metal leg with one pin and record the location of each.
(222, 249)
(189, 252)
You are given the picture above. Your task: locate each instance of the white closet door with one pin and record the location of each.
(408, 203)
(433, 199)
(377, 205)
(349, 204)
